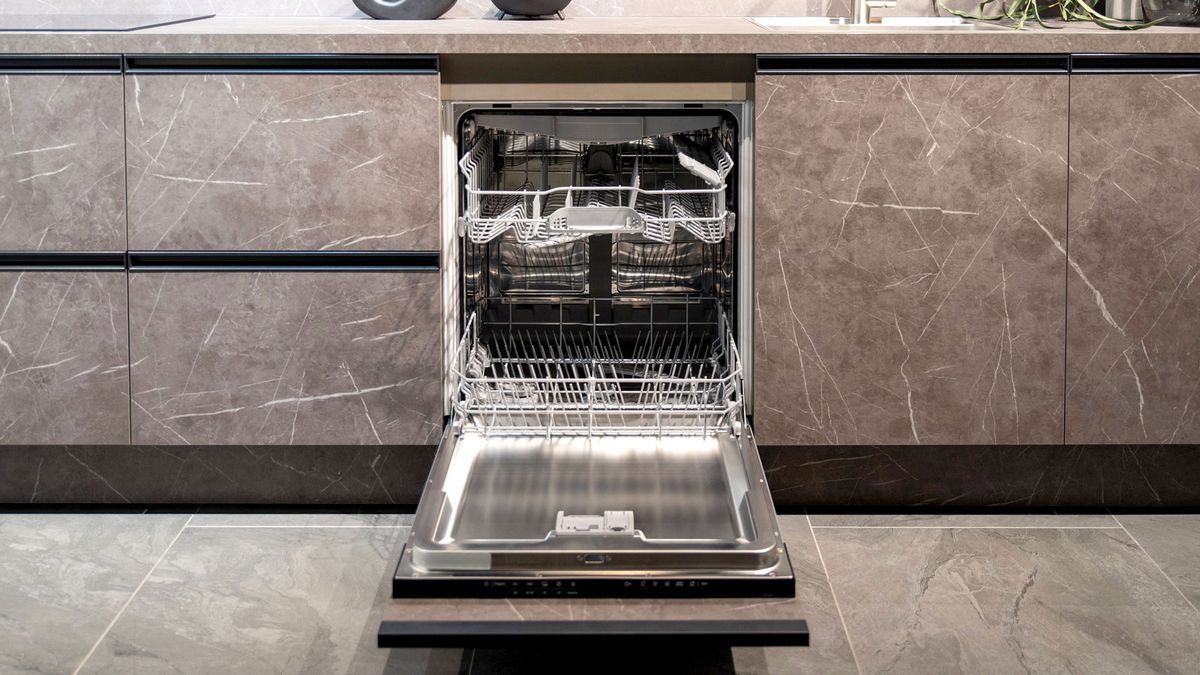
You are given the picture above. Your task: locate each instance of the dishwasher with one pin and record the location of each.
(597, 290)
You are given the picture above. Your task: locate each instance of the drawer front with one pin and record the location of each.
(279, 358)
(232, 161)
(910, 236)
(1133, 325)
(64, 375)
(62, 176)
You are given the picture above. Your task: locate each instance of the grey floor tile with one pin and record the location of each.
(259, 600)
(63, 577)
(1004, 601)
(964, 520)
(1173, 541)
(323, 519)
(830, 649)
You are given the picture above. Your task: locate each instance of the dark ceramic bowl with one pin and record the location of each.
(404, 9)
(1174, 12)
(531, 7)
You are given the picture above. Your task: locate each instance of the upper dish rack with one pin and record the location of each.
(670, 380)
(543, 188)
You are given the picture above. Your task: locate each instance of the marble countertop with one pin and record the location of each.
(698, 35)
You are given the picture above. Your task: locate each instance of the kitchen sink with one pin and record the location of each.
(887, 24)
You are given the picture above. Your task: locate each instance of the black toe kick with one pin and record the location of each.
(583, 633)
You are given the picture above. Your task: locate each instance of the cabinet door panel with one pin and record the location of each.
(62, 172)
(64, 374)
(283, 161)
(909, 258)
(1133, 325)
(279, 358)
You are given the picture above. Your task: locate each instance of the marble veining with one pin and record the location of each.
(64, 369)
(1003, 601)
(215, 474)
(326, 162)
(464, 8)
(221, 595)
(63, 577)
(966, 476)
(1133, 369)
(62, 165)
(1173, 541)
(584, 35)
(909, 259)
(286, 358)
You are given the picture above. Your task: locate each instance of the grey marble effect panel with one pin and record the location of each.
(909, 259)
(338, 519)
(64, 369)
(286, 358)
(674, 8)
(62, 163)
(229, 474)
(1003, 601)
(615, 35)
(464, 8)
(938, 520)
(63, 577)
(256, 162)
(1173, 541)
(1133, 362)
(583, 35)
(1003, 477)
(261, 600)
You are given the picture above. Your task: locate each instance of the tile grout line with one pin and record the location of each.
(829, 581)
(1154, 562)
(295, 527)
(966, 527)
(133, 595)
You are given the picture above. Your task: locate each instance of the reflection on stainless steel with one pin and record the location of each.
(651, 266)
(555, 266)
(691, 497)
(598, 422)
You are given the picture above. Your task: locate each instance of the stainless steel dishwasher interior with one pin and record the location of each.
(596, 392)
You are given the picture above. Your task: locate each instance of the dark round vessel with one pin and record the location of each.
(404, 9)
(531, 7)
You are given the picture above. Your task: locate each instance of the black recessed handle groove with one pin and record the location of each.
(61, 64)
(284, 261)
(873, 64)
(267, 64)
(584, 633)
(62, 261)
(1101, 64)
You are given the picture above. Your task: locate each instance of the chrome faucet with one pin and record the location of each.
(862, 9)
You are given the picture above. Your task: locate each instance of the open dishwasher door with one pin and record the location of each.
(585, 464)
(605, 516)
(598, 443)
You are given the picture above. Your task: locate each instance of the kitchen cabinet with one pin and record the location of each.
(1133, 325)
(910, 240)
(279, 358)
(62, 176)
(64, 375)
(299, 153)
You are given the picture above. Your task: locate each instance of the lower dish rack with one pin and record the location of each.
(665, 380)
